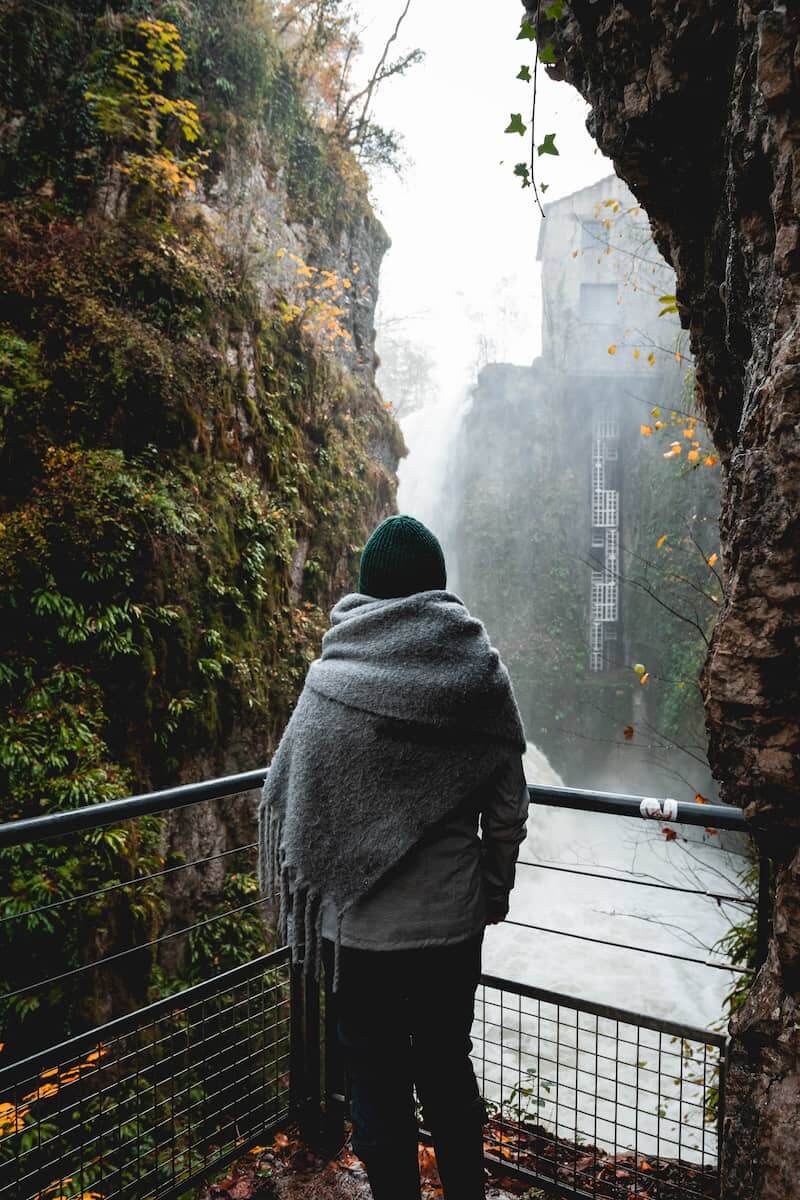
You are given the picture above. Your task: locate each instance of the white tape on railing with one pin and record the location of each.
(659, 810)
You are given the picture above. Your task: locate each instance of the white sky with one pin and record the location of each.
(463, 230)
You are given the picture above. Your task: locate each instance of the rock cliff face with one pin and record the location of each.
(192, 446)
(697, 103)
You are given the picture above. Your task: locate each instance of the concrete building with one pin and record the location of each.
(601, 331)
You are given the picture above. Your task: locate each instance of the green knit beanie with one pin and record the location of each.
(401, 557)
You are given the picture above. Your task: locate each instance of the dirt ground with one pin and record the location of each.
(285, 1170)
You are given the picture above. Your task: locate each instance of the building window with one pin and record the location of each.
(598, 303)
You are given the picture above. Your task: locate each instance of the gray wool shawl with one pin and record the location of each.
(407, 711)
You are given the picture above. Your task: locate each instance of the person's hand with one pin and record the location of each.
(496, 911)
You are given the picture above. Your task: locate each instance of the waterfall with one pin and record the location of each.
(430, 434)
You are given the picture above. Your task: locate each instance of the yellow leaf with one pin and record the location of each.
(678, 356)
(612, 349)
(280, 253)
(347, 283)
(712, 559)
(659, 425)
(693, 455)
(661, 541)
(651, 359)
(655, 412)
(637, 354)
(645, 430)
(699, 799)
(639, 669)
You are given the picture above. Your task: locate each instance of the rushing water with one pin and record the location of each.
(553, 892)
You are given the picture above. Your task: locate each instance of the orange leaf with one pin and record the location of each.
(698, 799)
(627, 733)
(712, 559)
(612, 349)
(643, 679)
(693, 455)
(710, 460)
(661, 541)
(668, 834)
(712, 832)
(645, 430)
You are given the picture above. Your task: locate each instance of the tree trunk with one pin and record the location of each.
(697, 103)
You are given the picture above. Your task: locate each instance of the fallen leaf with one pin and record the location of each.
(668, 834)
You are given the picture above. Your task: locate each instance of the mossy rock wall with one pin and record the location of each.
(186, 474)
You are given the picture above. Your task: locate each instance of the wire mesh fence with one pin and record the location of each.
(146, 1104)
(595, 1101)
(146, 1025)
(156, 1036)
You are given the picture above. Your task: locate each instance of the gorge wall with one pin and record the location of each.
(192, 445)
(698, 103)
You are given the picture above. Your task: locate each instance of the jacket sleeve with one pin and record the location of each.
(503, 817)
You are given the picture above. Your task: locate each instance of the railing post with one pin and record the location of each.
(764, 909)
(297, 1054)
(305, 1055)
(311, 1119)
(335, 1099)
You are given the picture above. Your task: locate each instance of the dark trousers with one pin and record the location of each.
(404, 1018)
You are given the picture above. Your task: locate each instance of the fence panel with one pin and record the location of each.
(590, 1100)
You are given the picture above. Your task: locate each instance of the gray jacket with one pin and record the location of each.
(438, 893)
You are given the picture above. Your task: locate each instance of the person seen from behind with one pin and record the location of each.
(405, 738)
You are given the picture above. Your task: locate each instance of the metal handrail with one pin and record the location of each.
(111, 812)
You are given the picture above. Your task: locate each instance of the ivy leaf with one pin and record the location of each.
(523, 171)
(526, 32)
(547, 54)
(524, 74)
(516, 124)
(548, 146)
(555, 11)
(543, 187)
